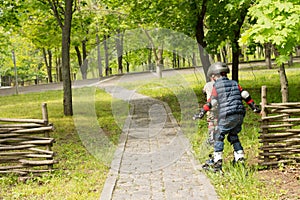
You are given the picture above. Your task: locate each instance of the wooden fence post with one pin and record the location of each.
(45, 113)
(46, 122)
(264, 113)
(263, 101)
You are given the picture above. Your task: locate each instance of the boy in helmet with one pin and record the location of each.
(228, 95)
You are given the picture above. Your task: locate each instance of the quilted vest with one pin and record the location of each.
(229, 97)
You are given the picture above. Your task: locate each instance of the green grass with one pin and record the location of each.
(80, 175)
(234, 184)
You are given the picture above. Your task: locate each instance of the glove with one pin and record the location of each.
(200, 115)
(255, 108)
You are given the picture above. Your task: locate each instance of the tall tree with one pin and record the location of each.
(199, 9)
(106, 55)
(158, 53)
(82, 34)
(238, 14)
(64, 21)
(40, 27)
(276, 22)
(47, 54)
(119, 47)
(224, 21)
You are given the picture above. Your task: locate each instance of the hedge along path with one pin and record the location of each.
(280, 132)
(26, 145)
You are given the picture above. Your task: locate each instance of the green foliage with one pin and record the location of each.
(277, 22)
(224, 19)
(9, 13)
(34, 25)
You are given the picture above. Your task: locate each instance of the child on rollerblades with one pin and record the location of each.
(228, 95)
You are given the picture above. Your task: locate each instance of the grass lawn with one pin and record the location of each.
(80, 175)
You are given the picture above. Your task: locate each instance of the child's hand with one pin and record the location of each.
(200, 115)
(256, 109)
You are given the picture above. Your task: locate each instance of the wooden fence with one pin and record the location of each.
(280, 132)
(25, 145)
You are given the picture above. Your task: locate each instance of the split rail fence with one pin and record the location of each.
(280, 132)
(26, 145)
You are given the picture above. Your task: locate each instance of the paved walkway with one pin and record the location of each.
(153, 160)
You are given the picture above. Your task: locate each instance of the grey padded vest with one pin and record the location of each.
(229, 97)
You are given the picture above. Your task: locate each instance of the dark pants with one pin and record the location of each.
(230, 126)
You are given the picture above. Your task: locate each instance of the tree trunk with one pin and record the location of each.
(48, 64)
(150, 64)
(49, 70)
(79, 58)
(58, 69)
(268, 50)
(194, 62)
(219, 57)
(178, 61)
(283, 79)
(99, 57)
(235, 60)
(58, 77)
(85, 62)
(157, 55)
(174, 59)
(106, 56)
(298, 50)
(119, 47)
(159, 62)
(224, 54)
(283, 84)
(290, 62)
(200, 35)
(236, 50)
(66, 32)
(127, 66)
(204, 60)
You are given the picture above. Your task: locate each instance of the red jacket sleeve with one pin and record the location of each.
(214, 95)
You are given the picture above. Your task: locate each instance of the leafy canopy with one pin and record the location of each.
(277, 22)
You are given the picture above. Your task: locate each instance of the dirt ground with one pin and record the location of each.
(286, 182)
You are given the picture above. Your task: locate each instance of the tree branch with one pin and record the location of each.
(54, 7)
